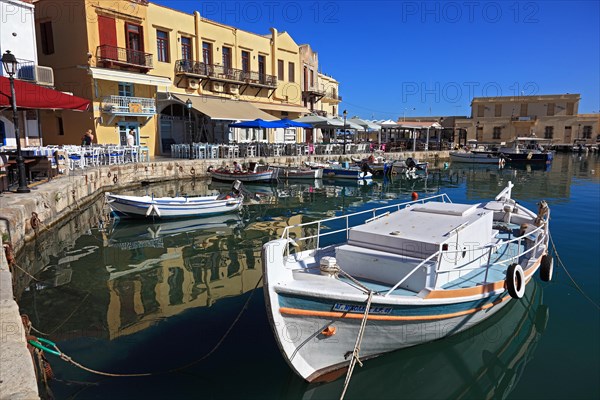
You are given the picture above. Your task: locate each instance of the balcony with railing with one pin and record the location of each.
(319, 112)
(528, 119)
(131, 106)
(220, 73)
(25, 70)
(332, 97)
(109, 56)
(313, 94)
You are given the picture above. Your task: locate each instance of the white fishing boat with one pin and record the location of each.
(472, 157)
(174, 207)
(408, 274)
(254, 173)
(291, 172)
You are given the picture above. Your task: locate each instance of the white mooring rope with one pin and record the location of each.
(355, 353)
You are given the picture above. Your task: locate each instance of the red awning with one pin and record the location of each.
(38, 97)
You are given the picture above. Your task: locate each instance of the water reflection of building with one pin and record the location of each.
(194, 269)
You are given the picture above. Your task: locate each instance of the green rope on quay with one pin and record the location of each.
(40, 343)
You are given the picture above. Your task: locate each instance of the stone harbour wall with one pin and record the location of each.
(58, 199)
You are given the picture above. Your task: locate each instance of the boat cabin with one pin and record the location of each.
(395, 244)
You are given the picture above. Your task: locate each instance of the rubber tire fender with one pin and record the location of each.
(546, 268)
(515, 281)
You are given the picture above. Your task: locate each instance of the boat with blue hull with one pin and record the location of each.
(397, 276)
(339, 172)
(527, 149)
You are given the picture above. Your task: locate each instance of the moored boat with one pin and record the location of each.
(290, 172)
(410, 165)
(339, 172)
(472, 157)
(174, 207)
(254, 173)
(409, 274)
(529, 149)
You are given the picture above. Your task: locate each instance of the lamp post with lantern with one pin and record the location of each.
(188, 105)
(345, 115)
(9, 62)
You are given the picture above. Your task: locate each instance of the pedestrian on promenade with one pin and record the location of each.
(87, 138)
(130, 138)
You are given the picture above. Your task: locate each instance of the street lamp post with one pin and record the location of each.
(345, 115)
(477, 131)
(9, 61)
(188, 105)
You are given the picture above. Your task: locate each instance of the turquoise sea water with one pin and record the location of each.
(135, 297)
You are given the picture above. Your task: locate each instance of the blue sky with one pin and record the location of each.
(430, 58)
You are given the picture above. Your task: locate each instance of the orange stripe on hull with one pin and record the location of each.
(331, 314)
(477, 290)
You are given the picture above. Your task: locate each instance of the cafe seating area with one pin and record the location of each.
(252, 150)
(46, 162)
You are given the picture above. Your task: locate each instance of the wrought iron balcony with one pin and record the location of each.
(314, 94)
(113, 55)
(332, 97)
(125, 105)
(528, 118)
(220, 73)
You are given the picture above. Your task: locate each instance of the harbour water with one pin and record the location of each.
(183, 299)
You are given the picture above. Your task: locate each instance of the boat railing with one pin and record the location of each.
(373, 211)
(541, 231)
(491, 247)
(415, 269)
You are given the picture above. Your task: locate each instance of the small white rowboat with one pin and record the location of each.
(174, 207)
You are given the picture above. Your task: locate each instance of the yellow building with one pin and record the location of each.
(329, 104)
(319, 91)
(555, 117)
(170, 76)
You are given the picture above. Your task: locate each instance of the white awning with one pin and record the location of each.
(221, 108)
(132, 77)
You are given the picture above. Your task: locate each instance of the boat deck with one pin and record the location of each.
(497, 272)
(381, 288)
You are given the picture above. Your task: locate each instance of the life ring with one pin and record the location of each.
(546, 268)
(515, 281)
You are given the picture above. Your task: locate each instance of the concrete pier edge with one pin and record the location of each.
(17, 375)
(56, 200)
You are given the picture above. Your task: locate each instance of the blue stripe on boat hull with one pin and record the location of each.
(313, 304)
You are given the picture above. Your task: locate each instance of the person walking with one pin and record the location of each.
(131, 138)
(87, 138)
